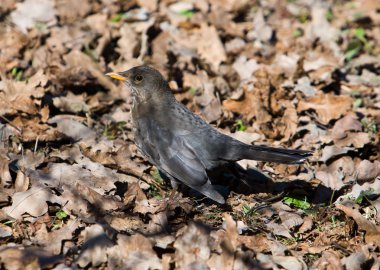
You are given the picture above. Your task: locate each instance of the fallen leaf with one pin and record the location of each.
(329, 258)
(333, 180)
(133, 252)
(372, 230)
(211, 107)
(32, 201)
(279, 229)
(290, 262)
(347, 123)
(368, 170)
(290, 220)
(128, 42)
(192, 246)
(357, 259)
(95, 243)
(72, 128)
(209, 46)
(71, 103)
(245, 68)
(250, 105)
(55, 240)
(332, 151)
(262, 31)
(5, 176)
(304, 85)
(327, 106)
(30, 12)
(285, 64)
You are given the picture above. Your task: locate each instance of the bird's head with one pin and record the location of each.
(145, 82)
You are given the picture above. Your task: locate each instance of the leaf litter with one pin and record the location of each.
(76, 193)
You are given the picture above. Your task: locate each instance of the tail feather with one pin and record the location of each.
(271, 154)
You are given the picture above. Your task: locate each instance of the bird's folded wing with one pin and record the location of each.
(175, 156)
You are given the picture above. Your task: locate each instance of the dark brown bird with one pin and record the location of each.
(180, 143)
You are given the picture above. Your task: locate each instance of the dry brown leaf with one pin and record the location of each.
(32, 201)
(86, 173)
(251, 105)
(368, 170)
(304, 85)
(211, 107)
(245, 68)
(320, 28)
(17, 257)
(55, 239)
(21, 182)
(290, 220)
(133, 252)
(330, 260)
(261, 30)
(30, 12)
(229, 5)
(70, 11)
(97, 22)
(128, 42)
(93, 197)
(81, 68)
(290, 262)
(95, 243)
(72, 128)
(160, 46)
(71, 103)
(5, 176)
(359, 190)
(342, 126)
(192, 245)
(330, 179)
(209, 45)
(278, 229)
(150, 5)
(285, 64)
(258, 243)
(357, 140)
(357, 259)
(288, 123)
(132, 223)
(327, 106)
(32, 130)
(307, 225)
(125, 163)
(228, 244)
(31, 160)
(372, 230)
(12, 42)
(332, 151)
(135, 196)
(18, 95)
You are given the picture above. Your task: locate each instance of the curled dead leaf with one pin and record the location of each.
(327, 106)
(372, 230)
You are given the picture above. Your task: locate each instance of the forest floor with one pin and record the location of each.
(76, 193)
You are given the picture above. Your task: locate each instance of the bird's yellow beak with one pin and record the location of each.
(117, 76)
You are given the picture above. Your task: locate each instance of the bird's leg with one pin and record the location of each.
(173, 182)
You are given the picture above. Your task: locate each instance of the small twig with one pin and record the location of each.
(36, 145)
(9, 122)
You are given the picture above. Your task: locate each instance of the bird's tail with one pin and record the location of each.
(271, 154)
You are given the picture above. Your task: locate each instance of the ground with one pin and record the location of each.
(76, 193)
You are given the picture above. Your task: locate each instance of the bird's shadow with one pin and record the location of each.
(233, 178)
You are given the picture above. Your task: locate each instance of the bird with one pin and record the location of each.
(180, 143)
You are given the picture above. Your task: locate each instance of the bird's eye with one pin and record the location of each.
(138, 78)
